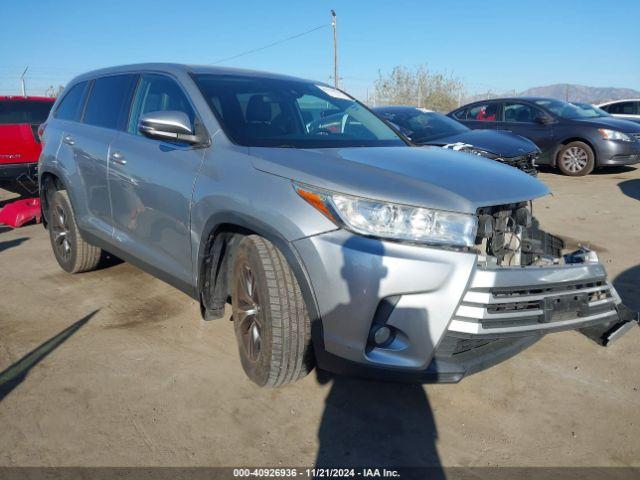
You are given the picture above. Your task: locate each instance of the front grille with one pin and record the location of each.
(493, 308)
(637, 136)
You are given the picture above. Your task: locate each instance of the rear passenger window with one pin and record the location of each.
(624, 108)
(485, 112)
(70, 107)
(109, 101)
(157, 93)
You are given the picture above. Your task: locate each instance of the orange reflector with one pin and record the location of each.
(315, 201)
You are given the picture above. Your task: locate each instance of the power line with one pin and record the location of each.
(292, 37)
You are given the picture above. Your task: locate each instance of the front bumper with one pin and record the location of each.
(448, 316)
(611, 153)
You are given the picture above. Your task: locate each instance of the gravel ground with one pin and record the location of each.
(123, 372)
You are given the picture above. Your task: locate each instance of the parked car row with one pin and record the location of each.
(337, 241)
(572, 138)
(424, 127)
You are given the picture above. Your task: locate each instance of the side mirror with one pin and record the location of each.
(168, 125)
(543, 119)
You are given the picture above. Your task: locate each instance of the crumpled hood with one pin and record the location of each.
(504, 144)
(423, 176)
(613, 123)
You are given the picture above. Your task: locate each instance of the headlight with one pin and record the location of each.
(614, 135)
(391, 220)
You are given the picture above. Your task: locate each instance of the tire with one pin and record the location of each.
(275, 339)
(73, 254)
(576, 159)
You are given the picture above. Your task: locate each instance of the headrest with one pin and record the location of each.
(258, 110)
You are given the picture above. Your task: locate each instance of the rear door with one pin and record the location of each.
(520, 118)
(483, 115)
(88, 143)
(151, 183)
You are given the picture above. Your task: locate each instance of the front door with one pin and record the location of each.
(151, 182)
(520, 118)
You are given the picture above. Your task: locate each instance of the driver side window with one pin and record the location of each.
(520, 113)
(157, 93)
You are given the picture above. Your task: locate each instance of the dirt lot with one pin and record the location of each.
(115, 368)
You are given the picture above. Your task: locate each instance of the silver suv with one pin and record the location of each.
(336, 243)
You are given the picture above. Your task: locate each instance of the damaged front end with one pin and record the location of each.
(525, 162)
(526, 285)
(563, 288)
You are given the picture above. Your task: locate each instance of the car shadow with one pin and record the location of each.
(617, 169)
(613, 170)
(6, 245)
(366, 423)
(627, 284)
(108, 260)
(16, 373)
(631, 188)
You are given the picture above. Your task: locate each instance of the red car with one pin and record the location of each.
(20, 146)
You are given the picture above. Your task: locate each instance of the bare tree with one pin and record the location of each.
(420, 87)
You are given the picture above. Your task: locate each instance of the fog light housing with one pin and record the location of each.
(381, 335)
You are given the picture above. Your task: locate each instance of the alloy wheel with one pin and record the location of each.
(246, 312)
(61, 232)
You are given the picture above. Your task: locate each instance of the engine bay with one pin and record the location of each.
(509, 236)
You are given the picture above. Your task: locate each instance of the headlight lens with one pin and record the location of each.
(614, 135)
(391, 220)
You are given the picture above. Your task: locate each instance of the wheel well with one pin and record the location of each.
(215, 268)
(574, 139)
(48, 183)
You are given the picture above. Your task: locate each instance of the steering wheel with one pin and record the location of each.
(320, 131)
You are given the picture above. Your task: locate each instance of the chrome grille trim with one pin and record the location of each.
(520, 300)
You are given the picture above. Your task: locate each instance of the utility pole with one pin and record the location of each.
(566, 92)
(334, 24)
(419, 94)
(24, 92)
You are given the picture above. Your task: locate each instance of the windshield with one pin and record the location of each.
(567, 110)
(422, 125)
(592, 110)
(23, 111)
(268, 112)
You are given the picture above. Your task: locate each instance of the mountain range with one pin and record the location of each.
(572, 92)
(581, 93)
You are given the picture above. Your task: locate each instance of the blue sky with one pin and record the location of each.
(490, 45)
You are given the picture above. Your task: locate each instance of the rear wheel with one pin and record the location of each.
(576, 159)
(270, 318)
(73, 254)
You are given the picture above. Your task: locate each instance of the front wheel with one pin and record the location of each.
(576, 159)
(270, 318)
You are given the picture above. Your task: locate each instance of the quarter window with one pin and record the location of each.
(157, 93)
(70, 107)
(109, 100)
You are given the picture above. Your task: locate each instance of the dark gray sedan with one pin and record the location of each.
(573, 139)
(425, 127)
